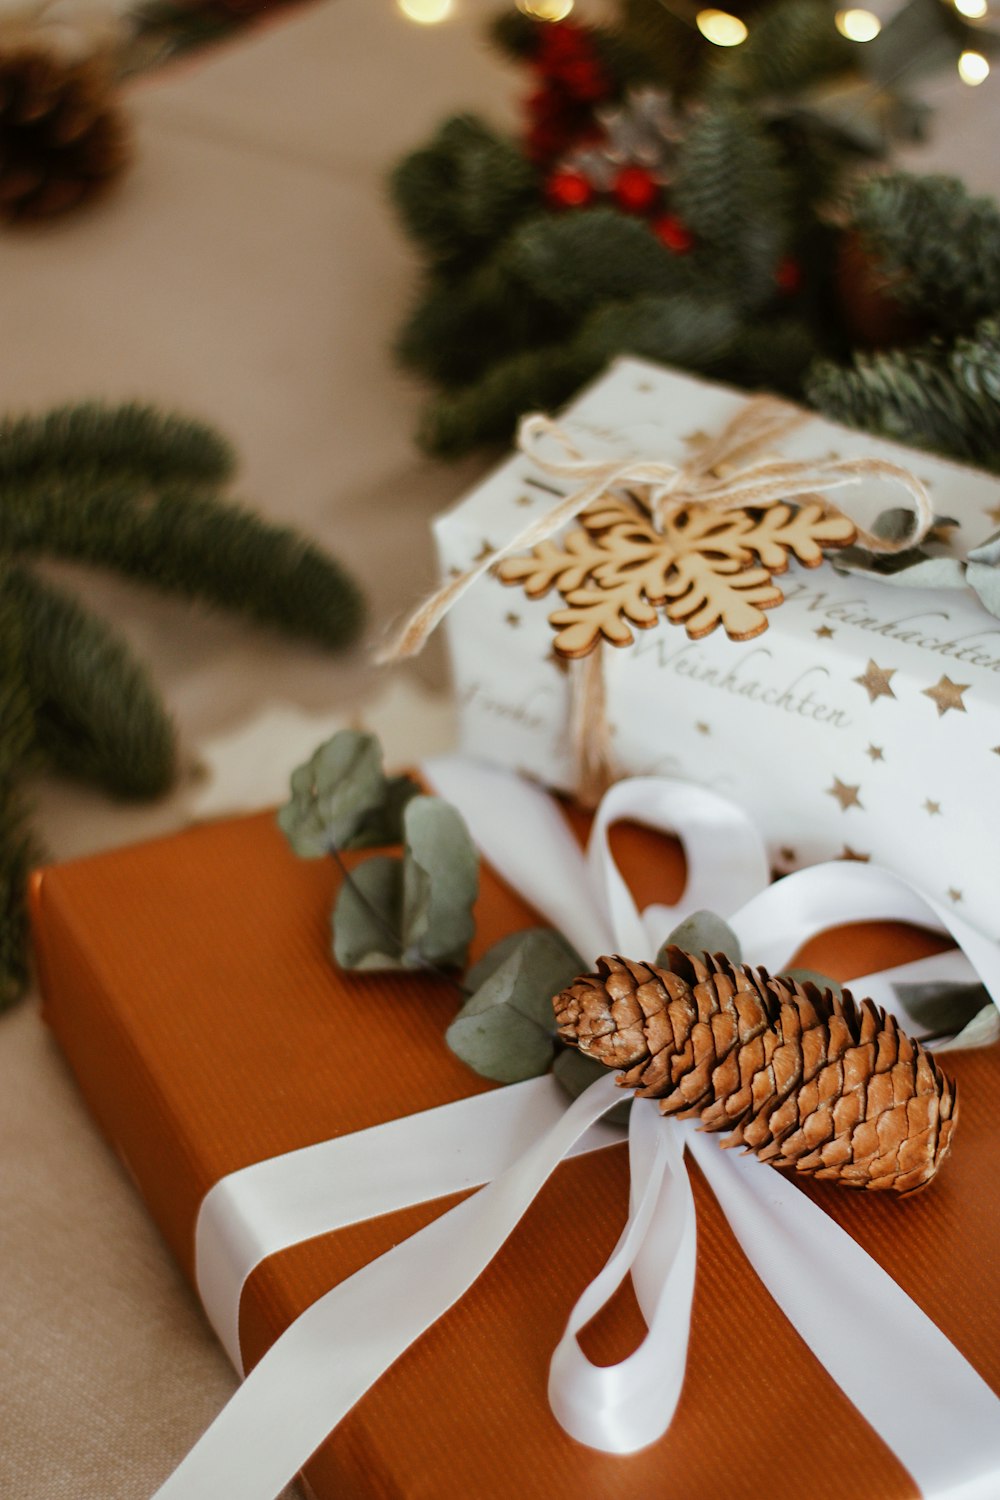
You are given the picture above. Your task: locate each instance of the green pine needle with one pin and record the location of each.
(946, 399)
(132, 489)
(129, 439)
(937, 246)
(676, 330)
(457, 194)
(97, 715)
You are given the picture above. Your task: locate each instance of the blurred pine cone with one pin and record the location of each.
(804, 1078)
(62, 138)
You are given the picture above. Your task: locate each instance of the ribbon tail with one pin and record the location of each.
(624, 1407)
(907, 1379)
(336, 1350)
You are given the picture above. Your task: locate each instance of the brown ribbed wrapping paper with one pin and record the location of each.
(190, 984)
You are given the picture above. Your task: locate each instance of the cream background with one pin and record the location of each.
(250, 271)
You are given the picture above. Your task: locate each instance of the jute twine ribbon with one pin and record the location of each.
(726, 473)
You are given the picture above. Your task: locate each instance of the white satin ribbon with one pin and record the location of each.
(908, 1380)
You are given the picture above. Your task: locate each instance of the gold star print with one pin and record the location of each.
(511, 618)
(702, 727)
(874, 752)
(947, 694)
(824, 633)
(852, 854)
(485, 551)
(956, 896)
(875, 681)
(996, 749)
(933, 808)
(787, 856)
(847, 796)
(524, 500)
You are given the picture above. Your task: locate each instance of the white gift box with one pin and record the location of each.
(864, 723)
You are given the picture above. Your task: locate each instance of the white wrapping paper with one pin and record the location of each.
(863, 724)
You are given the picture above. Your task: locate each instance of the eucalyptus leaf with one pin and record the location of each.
(942, 1005)
(703, 932)
(813, 976)
(505, 946)
(894, 524)
(506, 1029)
(987, 551)
(440, 882)
(367, 914)
(384, 824)
(333, 794)
(982, 1031)
(576, 1073)
(928, 573)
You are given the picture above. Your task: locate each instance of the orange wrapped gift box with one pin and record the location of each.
(190, 984)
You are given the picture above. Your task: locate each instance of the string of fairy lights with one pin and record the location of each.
(722, 29)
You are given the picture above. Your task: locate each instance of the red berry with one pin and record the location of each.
(584, 79)
(567, 189)
(636, 190)
(788, 276)
(674, 233)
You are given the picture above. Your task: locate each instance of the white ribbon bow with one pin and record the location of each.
(909, 1381)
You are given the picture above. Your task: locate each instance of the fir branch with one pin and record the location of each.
(130, 439)
(452, 424)
(17, 848)
(189, 543)
(676, 330)
(946, 400)
(17, 854)
(463, 190)
(937, 245)
(792, 44)
(732, 192)
(97, 715)
(577, 262)
(463, 324)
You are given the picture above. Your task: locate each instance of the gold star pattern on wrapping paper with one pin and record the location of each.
(932, 808)
(874, 753)
(853, 855)
(875, 681)
(512, 619)
(702, 727)
(846, 795)
(824, 633)
(704, 568)
(947, 694)
(524, 500)
(787, 855)
(955, 895)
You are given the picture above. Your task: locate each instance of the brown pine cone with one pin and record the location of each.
(62, 139)
(805, 1079)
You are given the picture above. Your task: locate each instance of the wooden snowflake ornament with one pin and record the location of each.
(705, 568)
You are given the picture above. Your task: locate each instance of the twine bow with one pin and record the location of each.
(725, 473)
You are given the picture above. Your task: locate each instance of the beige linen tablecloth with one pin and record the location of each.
(250, 271)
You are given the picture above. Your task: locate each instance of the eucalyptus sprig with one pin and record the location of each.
(407, 911)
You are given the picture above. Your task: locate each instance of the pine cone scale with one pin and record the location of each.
(62, 137)
(811, 1082)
